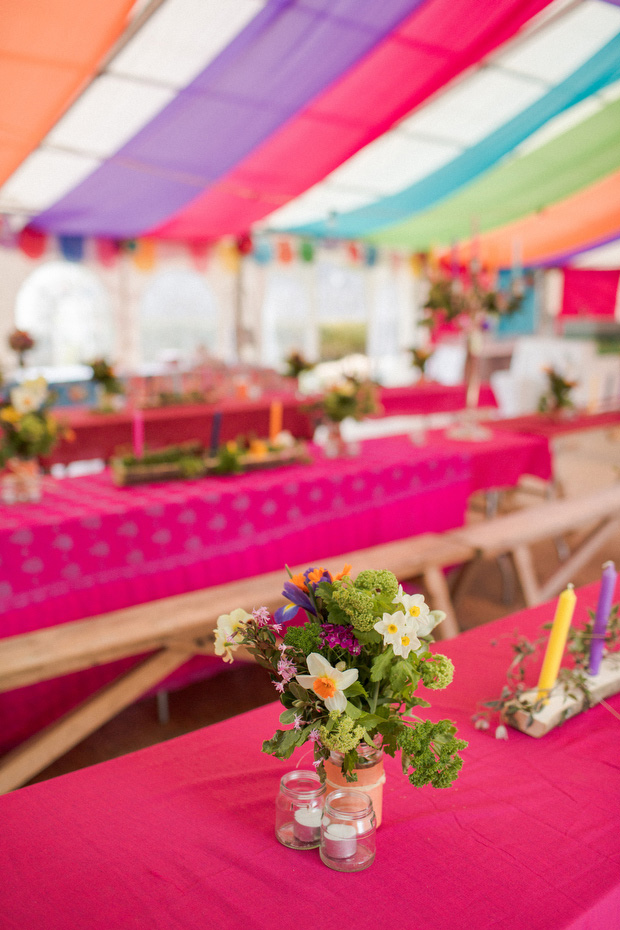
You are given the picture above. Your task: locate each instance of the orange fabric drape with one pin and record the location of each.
(48, 51)
(591, 215)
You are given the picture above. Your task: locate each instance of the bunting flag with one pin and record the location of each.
(590, 293)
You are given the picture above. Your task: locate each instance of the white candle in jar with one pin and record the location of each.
(307, 824)
(339, 841)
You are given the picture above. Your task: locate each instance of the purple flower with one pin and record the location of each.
(298, 597)
(288, 612)
(314, 736)
(340, 637)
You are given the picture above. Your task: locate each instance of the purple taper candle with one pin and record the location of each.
(601, 618)
(215, 432)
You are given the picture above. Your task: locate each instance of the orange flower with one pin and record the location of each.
(345, 571)
(300, 582)
(316, 574)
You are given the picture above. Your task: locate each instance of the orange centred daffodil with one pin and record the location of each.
(345, 571)
(328, 683)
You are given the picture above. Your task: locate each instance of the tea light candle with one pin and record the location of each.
(138, 433)
(339, 841)
(307, 824)
(557, 642)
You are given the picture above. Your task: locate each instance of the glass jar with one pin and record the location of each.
(299, 810)
(348, 831)
(369, 771)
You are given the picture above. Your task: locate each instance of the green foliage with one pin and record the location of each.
(343, 735)
(430, 753)
(304, 639)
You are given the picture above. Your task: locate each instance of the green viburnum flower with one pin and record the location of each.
(357, 605)
(382, 583)
(344, 736)
(437, 672)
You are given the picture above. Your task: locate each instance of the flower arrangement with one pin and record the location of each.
(21, 342)
(191, 459)
(468, 299)
(28, 429)
(349, 398)
(557, 396)
(348, 675)
(104, 374)
(420, 358)
(296, 364)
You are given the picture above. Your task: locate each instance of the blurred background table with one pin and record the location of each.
(183, 832)
(90, 547)
(100, 435)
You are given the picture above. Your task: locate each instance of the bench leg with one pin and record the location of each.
(20, 765)
(527, 576)
(588, 548)
(437, 587)
(163, 707)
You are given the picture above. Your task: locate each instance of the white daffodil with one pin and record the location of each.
(424, 619)
(327, 682)
(29, 396)
(393, 626)
(229, 632)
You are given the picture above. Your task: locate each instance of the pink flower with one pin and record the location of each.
(262, 616)
(314, 736)
(297, 722)
(279, 686)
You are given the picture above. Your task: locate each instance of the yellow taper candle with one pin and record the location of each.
(275, 419)
(557, 642)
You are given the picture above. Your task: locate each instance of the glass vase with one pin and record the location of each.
(299, 810)
(369, 771)
(348, 831)
(21, 482)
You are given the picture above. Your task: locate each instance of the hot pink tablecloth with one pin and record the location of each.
(182, 835)
(540, 424)
(430, 397)
(90, 547)
(500, 460)
(100, 435)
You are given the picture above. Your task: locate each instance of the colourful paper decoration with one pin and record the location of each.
(32, 242)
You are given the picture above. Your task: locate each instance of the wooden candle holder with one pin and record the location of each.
(560, 706)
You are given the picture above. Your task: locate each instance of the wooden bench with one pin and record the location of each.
(174, 629)
(515, 533)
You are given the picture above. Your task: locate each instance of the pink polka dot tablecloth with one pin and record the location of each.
(90, 547)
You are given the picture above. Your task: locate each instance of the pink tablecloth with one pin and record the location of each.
(539, 424)
(181, 835)
(90, 547)
(430, 397)
(100, 435)
(500, 460)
